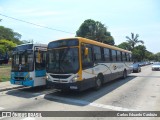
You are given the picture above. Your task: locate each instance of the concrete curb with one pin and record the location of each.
(10, 88)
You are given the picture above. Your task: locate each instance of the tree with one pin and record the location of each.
(9, 45)
(109, 40)
(139, 53)
(134, 40)
(8, 40)
(9, 34)
(125, 45)
(95, 30)
(157, 56)
(2, 49)
(149, 56)
(6, 46)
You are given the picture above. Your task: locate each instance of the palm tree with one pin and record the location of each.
(134, 40)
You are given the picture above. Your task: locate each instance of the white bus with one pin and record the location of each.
(29, 65)
(79, 63)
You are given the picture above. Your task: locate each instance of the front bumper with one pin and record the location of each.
(22, 82)
(64, 86)
(155, 68)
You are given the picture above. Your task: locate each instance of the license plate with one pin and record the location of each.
(17, 82)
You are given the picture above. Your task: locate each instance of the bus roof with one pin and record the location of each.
(29, 46)
(36, 44)
(85, 40)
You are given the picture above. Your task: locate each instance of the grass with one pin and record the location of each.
(5, 71)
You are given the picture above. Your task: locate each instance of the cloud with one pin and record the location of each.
(36, 13)
(24, 11)
(1, 9)
(45, 13)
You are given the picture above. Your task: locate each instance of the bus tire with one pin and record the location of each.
(124, 74)
(98, 83)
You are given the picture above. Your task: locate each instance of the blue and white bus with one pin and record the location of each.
(29, 65)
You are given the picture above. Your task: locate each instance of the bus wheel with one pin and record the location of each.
(124, 74)
(98, 83)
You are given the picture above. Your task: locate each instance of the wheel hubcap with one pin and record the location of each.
(98, 82)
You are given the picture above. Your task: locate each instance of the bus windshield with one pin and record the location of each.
(22, 61)
(63, 61)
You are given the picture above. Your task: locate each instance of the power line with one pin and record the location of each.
(35, 24)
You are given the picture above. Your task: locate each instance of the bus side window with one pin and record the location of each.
(97, 54)
(102, 54)
(107, 54)
(128, 59)
(114, 55)
(130, 56)
(126, 56)
(110, 54)
(118, 56)
(123, 56)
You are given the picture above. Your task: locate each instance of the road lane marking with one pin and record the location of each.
(82, 102)
(29, 118)
(2, 118)
(10, 88)
(111, 107)
(46, 92)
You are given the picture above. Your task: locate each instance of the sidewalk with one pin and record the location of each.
(8, 86)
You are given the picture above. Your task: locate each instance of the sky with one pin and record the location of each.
(121, 17)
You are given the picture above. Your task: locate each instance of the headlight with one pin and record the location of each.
(74, 79)
(47, 77)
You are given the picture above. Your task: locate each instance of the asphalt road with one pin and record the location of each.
(138, 92)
